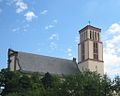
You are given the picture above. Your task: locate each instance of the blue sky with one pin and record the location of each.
(50, 27)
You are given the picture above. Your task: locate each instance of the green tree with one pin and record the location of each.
(106, 86)
(47, 81)
(55, 90)
(116, 85)
(82, 84)
(13, 94)
(25, 82)
(10, 81)
(37, 86)
(91, 83)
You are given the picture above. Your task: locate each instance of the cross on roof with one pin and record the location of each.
(89, 22)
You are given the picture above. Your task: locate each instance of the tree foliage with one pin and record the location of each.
(47, 81)
(81, 84)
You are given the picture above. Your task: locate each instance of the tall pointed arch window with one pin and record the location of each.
(90, 34)
(95, 50)
(82, 52)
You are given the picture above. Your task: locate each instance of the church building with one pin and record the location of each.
(90, 57)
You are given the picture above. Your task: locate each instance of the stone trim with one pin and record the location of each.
(90, 40)
(90, 59)
(90, 27)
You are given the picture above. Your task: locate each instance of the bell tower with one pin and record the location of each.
(90, 50)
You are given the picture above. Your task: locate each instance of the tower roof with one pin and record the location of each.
(90, 27)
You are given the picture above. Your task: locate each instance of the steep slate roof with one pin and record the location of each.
(37, 63)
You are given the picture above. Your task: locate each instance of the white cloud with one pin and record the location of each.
(69, 52)
(53, 45)
(30, 15)
(44, 12)
(54, 36)
(49, 26)
(112, 46)
(69, 49)
(15, 29)
(21, 6)
(114, 28)
(55, 21)
(116, 39)
(112, 72)
(111, 53)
